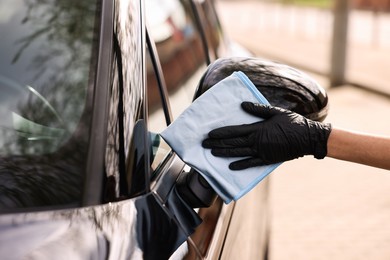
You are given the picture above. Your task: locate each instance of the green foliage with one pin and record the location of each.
(313, 3)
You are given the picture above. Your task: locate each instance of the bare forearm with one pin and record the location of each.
(360, 148)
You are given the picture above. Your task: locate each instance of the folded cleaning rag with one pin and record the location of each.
(219, 106)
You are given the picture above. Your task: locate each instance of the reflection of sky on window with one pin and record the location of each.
(44, 51)
(11, 95)
(11, 75)
(15, 30)
(9, 46)
(8, 8)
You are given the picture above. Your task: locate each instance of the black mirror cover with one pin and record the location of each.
(281, 84)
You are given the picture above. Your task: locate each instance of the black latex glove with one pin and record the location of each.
(282, 136)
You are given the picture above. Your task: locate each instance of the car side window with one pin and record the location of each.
(45, 83)
(212, 28)
(179, 52)
(172, 26)
(157, 117)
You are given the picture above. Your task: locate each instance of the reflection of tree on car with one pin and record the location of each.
(44, 130)
(56, 41)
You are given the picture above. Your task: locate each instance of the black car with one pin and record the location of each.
(85, 88)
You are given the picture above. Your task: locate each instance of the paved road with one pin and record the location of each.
(330, 209)
(325, 209)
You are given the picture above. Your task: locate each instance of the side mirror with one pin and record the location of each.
(282, 85)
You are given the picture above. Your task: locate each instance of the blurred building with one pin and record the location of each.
(375, 5)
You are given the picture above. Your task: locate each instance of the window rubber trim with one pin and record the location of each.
(93, 183)
(160, 78)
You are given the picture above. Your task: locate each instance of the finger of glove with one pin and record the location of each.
(260, 110)
(226, 143)
(233, 131)
(245, 163)
(232, 152)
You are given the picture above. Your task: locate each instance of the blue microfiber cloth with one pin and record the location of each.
(219, 106)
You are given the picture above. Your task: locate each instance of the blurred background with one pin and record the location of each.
(327, 209)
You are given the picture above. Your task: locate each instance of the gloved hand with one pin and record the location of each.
(282, 136)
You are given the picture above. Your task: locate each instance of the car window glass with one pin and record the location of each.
(46, 67)
(212, 29)
(179, 46)
(156, 119)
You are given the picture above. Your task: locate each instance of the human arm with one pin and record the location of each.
(360, 148)
(285, 135)
(282, 136)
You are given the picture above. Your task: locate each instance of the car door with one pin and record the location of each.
(88, 189)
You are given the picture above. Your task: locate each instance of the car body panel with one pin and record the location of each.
(143, 227)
